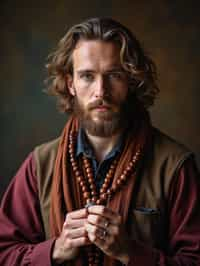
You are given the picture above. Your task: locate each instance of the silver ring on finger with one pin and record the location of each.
(106, 224)
(103, 235)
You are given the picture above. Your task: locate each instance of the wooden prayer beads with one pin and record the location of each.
(88, 186)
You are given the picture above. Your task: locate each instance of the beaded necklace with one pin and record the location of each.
(88, 187)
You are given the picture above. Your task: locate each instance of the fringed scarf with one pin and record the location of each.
(66, 194)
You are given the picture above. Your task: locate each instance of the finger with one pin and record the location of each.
(99, 220)
(113, 217)
(74, 223)
(78, 242)
(75, 233)
(101, 240)
(82, 213)
(95, 232)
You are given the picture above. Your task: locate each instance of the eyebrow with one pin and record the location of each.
(115, 69)
(118, 69)
(85, 71)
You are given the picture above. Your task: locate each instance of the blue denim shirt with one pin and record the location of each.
(99, 169)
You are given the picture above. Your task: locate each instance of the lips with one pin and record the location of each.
(102, 108)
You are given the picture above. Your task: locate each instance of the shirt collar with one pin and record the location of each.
(83, 147)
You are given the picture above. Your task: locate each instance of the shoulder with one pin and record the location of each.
(167, 156)
(167, 147)
(45, 154)
(162, 162)
(47, 149)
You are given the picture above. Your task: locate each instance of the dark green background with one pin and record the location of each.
(29, 30)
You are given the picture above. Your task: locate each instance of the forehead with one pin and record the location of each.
(95, 54)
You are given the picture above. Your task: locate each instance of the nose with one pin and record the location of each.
(101, 88)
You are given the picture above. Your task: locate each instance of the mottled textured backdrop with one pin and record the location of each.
(29, 30)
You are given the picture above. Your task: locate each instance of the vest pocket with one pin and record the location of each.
(146, 225)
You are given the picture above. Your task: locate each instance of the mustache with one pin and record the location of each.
(100, 102)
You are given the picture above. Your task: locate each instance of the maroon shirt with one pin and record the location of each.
(22, 237)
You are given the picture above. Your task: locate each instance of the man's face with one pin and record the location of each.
(99, 86)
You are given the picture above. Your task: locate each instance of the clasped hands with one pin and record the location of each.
(94, 225)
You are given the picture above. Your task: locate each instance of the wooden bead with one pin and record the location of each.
(71, 146)
(123, 177)
(82, 183)
(103, 196)
(74, 164)
(90, 180)
(89, 191)
(92, 187)
(72, 160)
(90, 176)
(129, 168)
(112, 166)
(104, 186)
(94, 199)
(125, 172)
(86, 195)
(111, 172)
(71, 150)
(102, 190)
(80, 178)
(77, 173)
(109, 192)
(75, 168)
(84, 188)
(98, 202)
(131, 164)
(87, 165)
(88, 201)
(107, 180)
(119, 182)
(89, 170)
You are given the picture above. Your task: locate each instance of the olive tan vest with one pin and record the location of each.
(148, 219)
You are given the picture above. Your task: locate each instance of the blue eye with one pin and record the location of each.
(87, 77)
(116, 75)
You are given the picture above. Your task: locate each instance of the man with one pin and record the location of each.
(112, 189)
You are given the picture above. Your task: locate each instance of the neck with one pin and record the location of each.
(103, 145)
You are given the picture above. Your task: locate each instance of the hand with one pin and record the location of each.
(72, 237)
(105, 230)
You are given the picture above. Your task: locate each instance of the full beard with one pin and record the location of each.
(108, 123)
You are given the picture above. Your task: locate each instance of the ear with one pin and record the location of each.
(70, 84)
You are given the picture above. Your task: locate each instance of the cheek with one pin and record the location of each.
(82, 89)
(82, 98)
(120, 94)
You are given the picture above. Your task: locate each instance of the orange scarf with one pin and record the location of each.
(66, 194)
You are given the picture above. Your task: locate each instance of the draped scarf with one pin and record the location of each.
(66, 193)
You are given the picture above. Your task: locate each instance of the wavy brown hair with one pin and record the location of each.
(140, 68)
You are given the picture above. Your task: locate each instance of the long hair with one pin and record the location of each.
(140, 68)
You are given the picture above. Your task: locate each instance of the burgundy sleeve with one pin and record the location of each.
(22, 239)
(184, 224)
